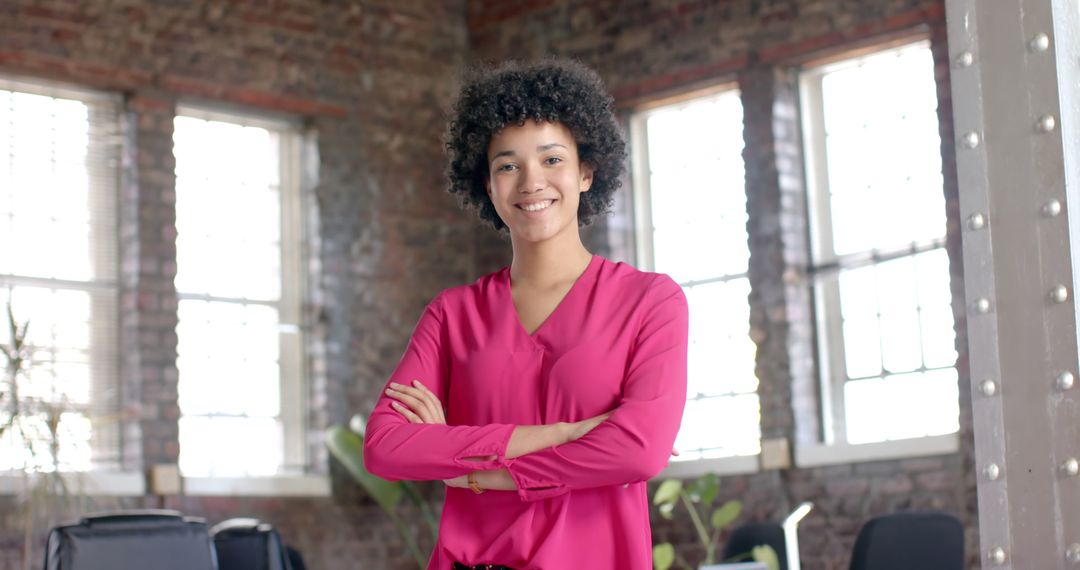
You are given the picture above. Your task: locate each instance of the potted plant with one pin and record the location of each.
(699, 497)
(347, 445)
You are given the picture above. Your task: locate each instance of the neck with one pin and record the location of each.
(548, 263)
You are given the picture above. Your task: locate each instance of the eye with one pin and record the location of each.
(506, 167)
(552, 160)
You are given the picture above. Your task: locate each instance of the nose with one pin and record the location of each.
(532, 179)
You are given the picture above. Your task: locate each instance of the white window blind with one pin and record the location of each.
(691, 203)
(239, 284)
(885, 323)
(59, 152)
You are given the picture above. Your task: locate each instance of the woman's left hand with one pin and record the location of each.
(418, 404)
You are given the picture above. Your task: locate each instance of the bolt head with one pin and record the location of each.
(1071, 467)
(992, 472)
(1046, 123)
(971, 139)
(1059, 294)
(982, 305)
(1052, 208)
(1072, 553)
(988, 387)
(1066, 380)
(1041, 42)
(996, 555)
(976, 221)
(965, 59)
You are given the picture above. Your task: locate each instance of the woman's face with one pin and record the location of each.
(535, 179)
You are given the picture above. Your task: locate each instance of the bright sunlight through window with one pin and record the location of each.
(238, 345)
(885, 322)
(694, 211)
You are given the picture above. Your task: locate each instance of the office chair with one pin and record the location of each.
(131, 540)
(902, 541)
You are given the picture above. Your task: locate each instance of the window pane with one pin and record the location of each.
(882, 160)
(697, 201)
(229, 276)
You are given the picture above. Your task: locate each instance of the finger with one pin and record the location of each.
(675, 452)
(436, 403)
(413, 418)
(430, 399)
(421, 404)
(413, 403)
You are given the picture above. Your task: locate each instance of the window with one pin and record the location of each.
(691, 215)
(877, 218)
(239, 285)
(58, 271)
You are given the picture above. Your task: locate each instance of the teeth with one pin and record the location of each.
(536, 207)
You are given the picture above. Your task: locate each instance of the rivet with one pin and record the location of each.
(976, 221)
(992, 472)
(1066, 380)
(1052, 208)
(971, 139)
(1072, 553)
(982, 305)
(1046, 123)
(965, 59)
(1041, 42)
(988, 387)
(1059, 294)
(1071, 467)
(996, 555)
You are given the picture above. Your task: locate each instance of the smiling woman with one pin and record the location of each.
(547, 393)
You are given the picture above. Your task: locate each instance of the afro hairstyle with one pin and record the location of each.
(513, 92)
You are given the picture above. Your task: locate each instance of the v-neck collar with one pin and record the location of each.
(595, 261)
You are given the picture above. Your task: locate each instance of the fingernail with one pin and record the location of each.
(389, 391)
(415, 382)
(395, 385)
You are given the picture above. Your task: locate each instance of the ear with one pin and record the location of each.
(487, 185)
(587, 171)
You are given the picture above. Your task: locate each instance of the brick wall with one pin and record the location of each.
(649, 49)
(372, 78)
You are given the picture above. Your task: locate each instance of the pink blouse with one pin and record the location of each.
(617, 341)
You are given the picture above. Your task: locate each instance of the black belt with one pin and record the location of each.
(460, 566)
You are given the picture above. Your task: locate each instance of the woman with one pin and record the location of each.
(563, 376)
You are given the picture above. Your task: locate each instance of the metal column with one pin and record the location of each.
(1015, 73)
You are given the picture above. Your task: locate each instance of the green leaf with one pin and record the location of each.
(667, 510)
(663, 556)
(765, 554)
(724, 515)
(668, 492)
(704, 489)
(348, 448)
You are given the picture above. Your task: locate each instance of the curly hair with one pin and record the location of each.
(551, 90)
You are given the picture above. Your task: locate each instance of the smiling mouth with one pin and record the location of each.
(537, 207)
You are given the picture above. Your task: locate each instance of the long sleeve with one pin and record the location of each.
(395, 449)
(634, 444)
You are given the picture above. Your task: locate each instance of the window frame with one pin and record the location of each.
(104, 291)
(294, 373)
(641, 206)
(833, 447)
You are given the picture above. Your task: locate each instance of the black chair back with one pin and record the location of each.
(746, 536)
(249, 544)
(131, 540)
(902, 541)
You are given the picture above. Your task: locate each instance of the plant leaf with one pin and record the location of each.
(704, 489)
(667, 510)
(668, 492)
(348, 447)
(765, 554)
(663, 556)
(724, 515)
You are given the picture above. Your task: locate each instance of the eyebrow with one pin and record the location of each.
(541, 148)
